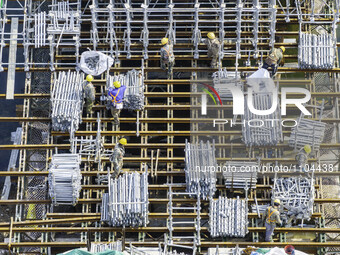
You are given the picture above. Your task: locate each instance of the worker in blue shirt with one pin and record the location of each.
(116, 95)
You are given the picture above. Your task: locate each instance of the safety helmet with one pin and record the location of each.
(89, 78)
(123, 141)
(211, 35)
(164, 40)
(277, 201)
(307, 148)
(116, 84)
(289, 249)
(283, 49)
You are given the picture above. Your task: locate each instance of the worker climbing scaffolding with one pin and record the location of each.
(271, 217)
(167, 56)
(117, 157)
(302, 157)
(274, 59)
(89, 94)
(214, 48)
(116, 96)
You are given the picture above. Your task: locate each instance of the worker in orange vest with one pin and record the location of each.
(116, 95)
(271, 216)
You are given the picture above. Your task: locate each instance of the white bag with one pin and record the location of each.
(261, 81)
(95, 62)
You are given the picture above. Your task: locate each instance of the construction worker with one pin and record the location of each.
(302, 157)
(214, 48)
(167, 56)
(89, 93)
(289, 249)
(274, 59)
(117, 156)
(116, 95)
(270, 217)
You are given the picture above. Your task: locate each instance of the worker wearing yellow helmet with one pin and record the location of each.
(167, 60)
(116, 97)
(214, 49)
(117, 156)
(274, 59)
(271, 217)
(302, 157)
(89, 93)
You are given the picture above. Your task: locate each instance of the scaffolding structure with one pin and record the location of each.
(52, 35)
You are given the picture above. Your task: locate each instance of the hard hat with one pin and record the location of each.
(164, 40)
(307, 148)
(277, 201)
(283, 49)
(289, 249)
(89, 78)
(211, 35)
(123, 141)
(116, 84)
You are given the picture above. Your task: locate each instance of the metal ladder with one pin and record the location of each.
(193, 220)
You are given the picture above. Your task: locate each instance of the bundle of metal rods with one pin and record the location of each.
(296, 195)
(307, 132)
(200, 168)
(239, 174)
(67, 101)
(100, 247)
(316, 51)
(228, 217)
(126, 203)
(261, 132)
(64, 179)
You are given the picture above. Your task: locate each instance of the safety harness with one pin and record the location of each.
(270, 213)
(114, 101)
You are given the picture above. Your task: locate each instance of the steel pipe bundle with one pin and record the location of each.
(200, 168)
(126, 203)
(307, 132)
(296, 195)
(100, 247)
(40, 29)
(316, 51)
(134, 93)
(67, 101)
(228, 217)
(64, 179)
(256, 130)
(240, 174)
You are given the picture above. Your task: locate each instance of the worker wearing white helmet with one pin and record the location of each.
(214, 48)
(89, 94)
(117, 157)
(116, 95)
(167, 56)
(274, 59)
(271, 217)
